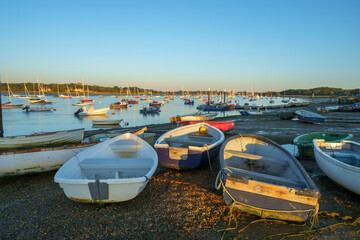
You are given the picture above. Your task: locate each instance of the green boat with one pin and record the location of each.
(305, 145)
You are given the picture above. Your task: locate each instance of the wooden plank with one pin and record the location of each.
(270, 190)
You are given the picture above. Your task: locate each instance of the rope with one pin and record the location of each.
(208, 154)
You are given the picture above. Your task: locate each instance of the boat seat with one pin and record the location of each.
(266, 178)
(115, 163)
(256, 157)
(186, 142)
(125, 145)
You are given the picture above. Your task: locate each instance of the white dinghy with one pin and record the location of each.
(340, 161)
(115, 170)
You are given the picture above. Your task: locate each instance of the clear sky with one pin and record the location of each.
(190, 44)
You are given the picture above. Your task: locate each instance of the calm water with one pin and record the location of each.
(19, 122)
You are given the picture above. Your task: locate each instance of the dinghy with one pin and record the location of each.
(189, 147)
(115, 170)
(107, 122)
(260, 177)
(305, 142)
(41, 139)
(309, 117)
(194, 117)
(340, 162)
(221, 125)
(18, 162)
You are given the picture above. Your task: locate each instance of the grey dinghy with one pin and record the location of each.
(260, 177)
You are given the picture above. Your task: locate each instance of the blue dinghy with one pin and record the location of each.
(189, 147)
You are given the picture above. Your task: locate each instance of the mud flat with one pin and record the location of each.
(180, 204)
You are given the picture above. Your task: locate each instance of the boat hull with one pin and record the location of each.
(260, 177)
(346, 175)
(221, 125)
(38, 160)
(266, 200)
(305, 145)
(115, 170)
(194, 158)
(42, 139)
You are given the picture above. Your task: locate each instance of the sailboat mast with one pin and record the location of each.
(7, 86)
(1, 122)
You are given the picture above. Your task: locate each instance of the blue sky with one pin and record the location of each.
(170, 45)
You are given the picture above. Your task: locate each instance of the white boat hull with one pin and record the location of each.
(101, 111)
(346, 175)
(115, 170)
(42, 139)
(38, 160)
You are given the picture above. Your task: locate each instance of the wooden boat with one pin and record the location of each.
(37, 109)
(221, 125)
(340, 162)
(91, 111)
(18, 162)
(309, 117)
(189, 146)
(115, 170)
(194, 117)
(42, 139)
(106, 122)
(118, 105)
(305, 142)
(260, 177)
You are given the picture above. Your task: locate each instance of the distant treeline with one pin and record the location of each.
(95, 89)
(322, 91)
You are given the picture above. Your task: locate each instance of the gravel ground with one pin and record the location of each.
(179, 204)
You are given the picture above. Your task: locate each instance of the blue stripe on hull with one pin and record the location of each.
(195, 159)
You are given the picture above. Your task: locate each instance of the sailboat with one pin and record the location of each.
(40, 100)
(9, 104)
(27, 94)
(68, 96)
(87, 99)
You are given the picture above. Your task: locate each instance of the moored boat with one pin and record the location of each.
(340, 162)
(107, 122)
(91, 111)
(221, 125)
(309, 117)
(115, 170)
(189, 146)
(194, 117)
(42, 139)
(305, 142)
(118, 105)
(251, 112)
(260, 177)
(27, 108)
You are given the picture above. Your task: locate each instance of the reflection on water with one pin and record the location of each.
(18, 122)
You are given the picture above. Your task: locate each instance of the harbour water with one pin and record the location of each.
(19, 122)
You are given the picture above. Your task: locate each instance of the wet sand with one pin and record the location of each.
(180, 204)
